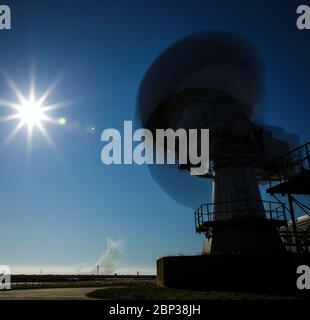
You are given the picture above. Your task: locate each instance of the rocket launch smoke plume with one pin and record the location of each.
(109, 260)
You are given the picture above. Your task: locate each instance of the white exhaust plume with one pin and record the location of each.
(109, 260)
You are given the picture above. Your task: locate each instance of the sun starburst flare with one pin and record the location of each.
(31, 112)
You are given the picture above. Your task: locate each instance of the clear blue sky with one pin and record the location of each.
(58, 206)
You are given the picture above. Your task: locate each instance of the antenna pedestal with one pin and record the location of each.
(238, 219)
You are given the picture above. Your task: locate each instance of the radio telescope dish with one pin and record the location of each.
(214, 80)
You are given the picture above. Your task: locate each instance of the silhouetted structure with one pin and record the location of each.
(214, 80)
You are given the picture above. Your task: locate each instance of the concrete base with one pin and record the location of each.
(252, 273)
(258, 236)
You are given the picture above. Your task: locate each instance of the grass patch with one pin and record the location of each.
(149, 291)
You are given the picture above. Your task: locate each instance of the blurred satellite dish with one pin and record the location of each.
(214, 80)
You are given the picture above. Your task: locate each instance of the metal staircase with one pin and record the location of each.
(293, 178)
(289, 176)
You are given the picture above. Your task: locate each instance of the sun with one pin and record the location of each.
(31, 113)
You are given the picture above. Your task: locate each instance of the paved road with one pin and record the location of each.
(47, 294)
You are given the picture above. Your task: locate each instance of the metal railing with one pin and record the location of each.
(289, 238)
(289, 165)
(243, 209)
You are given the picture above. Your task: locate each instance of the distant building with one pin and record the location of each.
(303, 229)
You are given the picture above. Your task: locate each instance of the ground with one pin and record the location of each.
(47, 294)
(119, 290)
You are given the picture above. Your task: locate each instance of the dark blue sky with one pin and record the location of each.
(58, 206)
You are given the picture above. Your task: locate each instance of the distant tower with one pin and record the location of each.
(98, 270)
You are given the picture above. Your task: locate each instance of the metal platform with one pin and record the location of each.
(299, 184)
(293, 173)
(244, 211)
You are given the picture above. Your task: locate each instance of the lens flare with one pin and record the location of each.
(62, 121)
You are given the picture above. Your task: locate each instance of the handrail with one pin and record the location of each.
(299, 160)
(305, 145)
(293, 150)
(205, 213)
